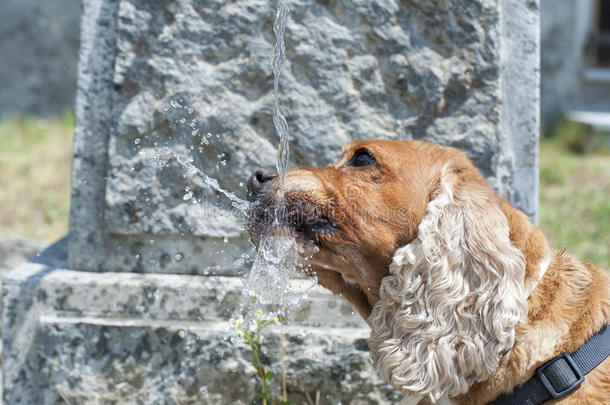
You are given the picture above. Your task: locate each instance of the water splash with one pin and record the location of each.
(267, 290)
(277, 263)
(185, 160)
(279, 57)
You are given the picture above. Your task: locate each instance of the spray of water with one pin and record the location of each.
(191, 170)
(267, 290)
(279, 57)
(279, 261)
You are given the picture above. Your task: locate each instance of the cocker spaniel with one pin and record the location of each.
(464, 296)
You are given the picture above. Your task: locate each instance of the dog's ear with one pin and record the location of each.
(448, 309)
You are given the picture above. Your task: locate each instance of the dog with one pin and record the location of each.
(463, 294)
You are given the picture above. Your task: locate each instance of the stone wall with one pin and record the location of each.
(39, 51)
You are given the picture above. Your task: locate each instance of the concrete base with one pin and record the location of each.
(96, 338)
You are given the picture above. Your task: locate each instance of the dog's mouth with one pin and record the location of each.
(307, 222)
(303, 218)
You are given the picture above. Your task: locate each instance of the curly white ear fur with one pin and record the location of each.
(448, 309)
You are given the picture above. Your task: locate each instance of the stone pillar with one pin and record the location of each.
(133, 307)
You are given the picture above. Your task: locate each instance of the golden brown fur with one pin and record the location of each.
(380, 210)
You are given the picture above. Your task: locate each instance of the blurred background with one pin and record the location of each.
(39, 49)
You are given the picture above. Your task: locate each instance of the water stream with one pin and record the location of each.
(267, 291)
(279, 57)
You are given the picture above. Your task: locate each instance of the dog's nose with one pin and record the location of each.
(258, 180)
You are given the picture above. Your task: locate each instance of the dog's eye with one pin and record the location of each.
(361, 158)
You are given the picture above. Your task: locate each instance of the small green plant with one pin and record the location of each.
(252, 338)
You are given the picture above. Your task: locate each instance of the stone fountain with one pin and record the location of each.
(131, 307)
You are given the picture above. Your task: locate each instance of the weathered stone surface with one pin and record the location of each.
(16, 250)
(13, 252)
(157, 364)
(520, 97)
(460, 72)
(39, 51)
(156, 339)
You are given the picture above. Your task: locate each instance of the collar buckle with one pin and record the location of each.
(560, 375)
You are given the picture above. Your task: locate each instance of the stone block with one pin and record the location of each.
(101, 338)
(16, 250)
(157, 75)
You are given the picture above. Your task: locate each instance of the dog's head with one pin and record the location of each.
(415, 238)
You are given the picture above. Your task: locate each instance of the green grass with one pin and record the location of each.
(574, 192)
(574, 184)
(35, 160)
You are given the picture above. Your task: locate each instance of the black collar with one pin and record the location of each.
(560, 375)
